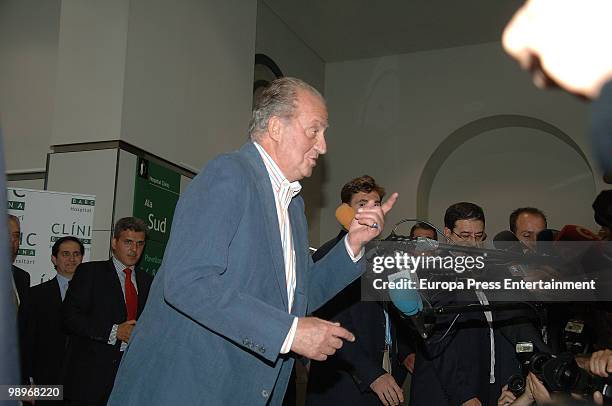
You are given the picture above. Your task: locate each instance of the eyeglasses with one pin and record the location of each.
(476, 237)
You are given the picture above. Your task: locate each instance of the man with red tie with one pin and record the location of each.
(102, 305)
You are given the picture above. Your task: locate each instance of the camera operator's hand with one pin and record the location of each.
(538, 391)
(507, 398)
(600, 363)
(472, 402)
(598, 398)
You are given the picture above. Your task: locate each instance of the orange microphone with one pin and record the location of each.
(345, 215)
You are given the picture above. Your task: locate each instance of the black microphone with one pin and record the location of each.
(548, 234)
(507, 241)
(544, 241)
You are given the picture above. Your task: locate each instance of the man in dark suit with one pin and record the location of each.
(466, 360)
(22, 295)
(46, 339)
(454, 367)
(102, 304)
(227, 308)
(369, 371)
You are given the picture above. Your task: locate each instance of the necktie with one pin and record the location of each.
(131, 297)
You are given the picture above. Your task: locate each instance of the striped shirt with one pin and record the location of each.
(284, 191)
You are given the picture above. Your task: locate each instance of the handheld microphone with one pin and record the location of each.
(408, 300)
(548, 234)
(345, 215)
(507, 241)
(543, 240)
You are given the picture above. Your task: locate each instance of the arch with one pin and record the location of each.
(473, 129)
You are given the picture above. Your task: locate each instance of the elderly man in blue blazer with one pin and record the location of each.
(226, 311)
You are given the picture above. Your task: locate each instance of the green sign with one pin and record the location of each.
(156, 193)
(14, 205)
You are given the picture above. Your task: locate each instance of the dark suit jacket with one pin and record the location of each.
(345, 377)
(22, 283)
(94, 302)
(453, 368)
(46, 339)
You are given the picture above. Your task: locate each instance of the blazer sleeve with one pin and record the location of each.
(196, 262)
(78, 306)
(331, 274)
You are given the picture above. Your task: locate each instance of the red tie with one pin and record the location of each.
(131, 297)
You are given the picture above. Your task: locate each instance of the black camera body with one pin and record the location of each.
(559, 373)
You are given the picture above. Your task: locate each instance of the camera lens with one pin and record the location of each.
(516, 385)
(536, 363)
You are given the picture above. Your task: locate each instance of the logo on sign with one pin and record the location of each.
(14, 205)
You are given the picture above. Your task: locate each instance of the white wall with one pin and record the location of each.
(29, 32)
(389, 114)
(36, 184)
(188, 77)
(90, 73)
(276, 40)
(504, 169)
(173, 78)
(124, 189)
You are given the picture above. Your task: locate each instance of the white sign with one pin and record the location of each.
(45, 217)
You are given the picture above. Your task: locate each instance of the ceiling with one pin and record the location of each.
(339, 30)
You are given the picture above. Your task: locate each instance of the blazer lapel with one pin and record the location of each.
(143, 291)
(301, 260)
(115, 289)
(264, 188)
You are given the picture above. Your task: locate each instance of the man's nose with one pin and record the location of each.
(321, 145)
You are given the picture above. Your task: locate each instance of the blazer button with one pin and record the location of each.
(265, 393)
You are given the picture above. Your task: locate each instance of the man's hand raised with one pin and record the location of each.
(317, 339)
(368, 224)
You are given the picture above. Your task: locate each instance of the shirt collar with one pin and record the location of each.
(119, 267)
(283, 189)
(62, 280)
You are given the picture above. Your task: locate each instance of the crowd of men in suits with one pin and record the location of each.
(471, 363)
(74, 328)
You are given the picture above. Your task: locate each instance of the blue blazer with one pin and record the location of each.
(216, 316)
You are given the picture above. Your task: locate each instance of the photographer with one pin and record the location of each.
(599, 364)
(534, 392)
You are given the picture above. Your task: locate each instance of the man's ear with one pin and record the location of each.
(54, 260)
(447, 232)
(275, 128)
